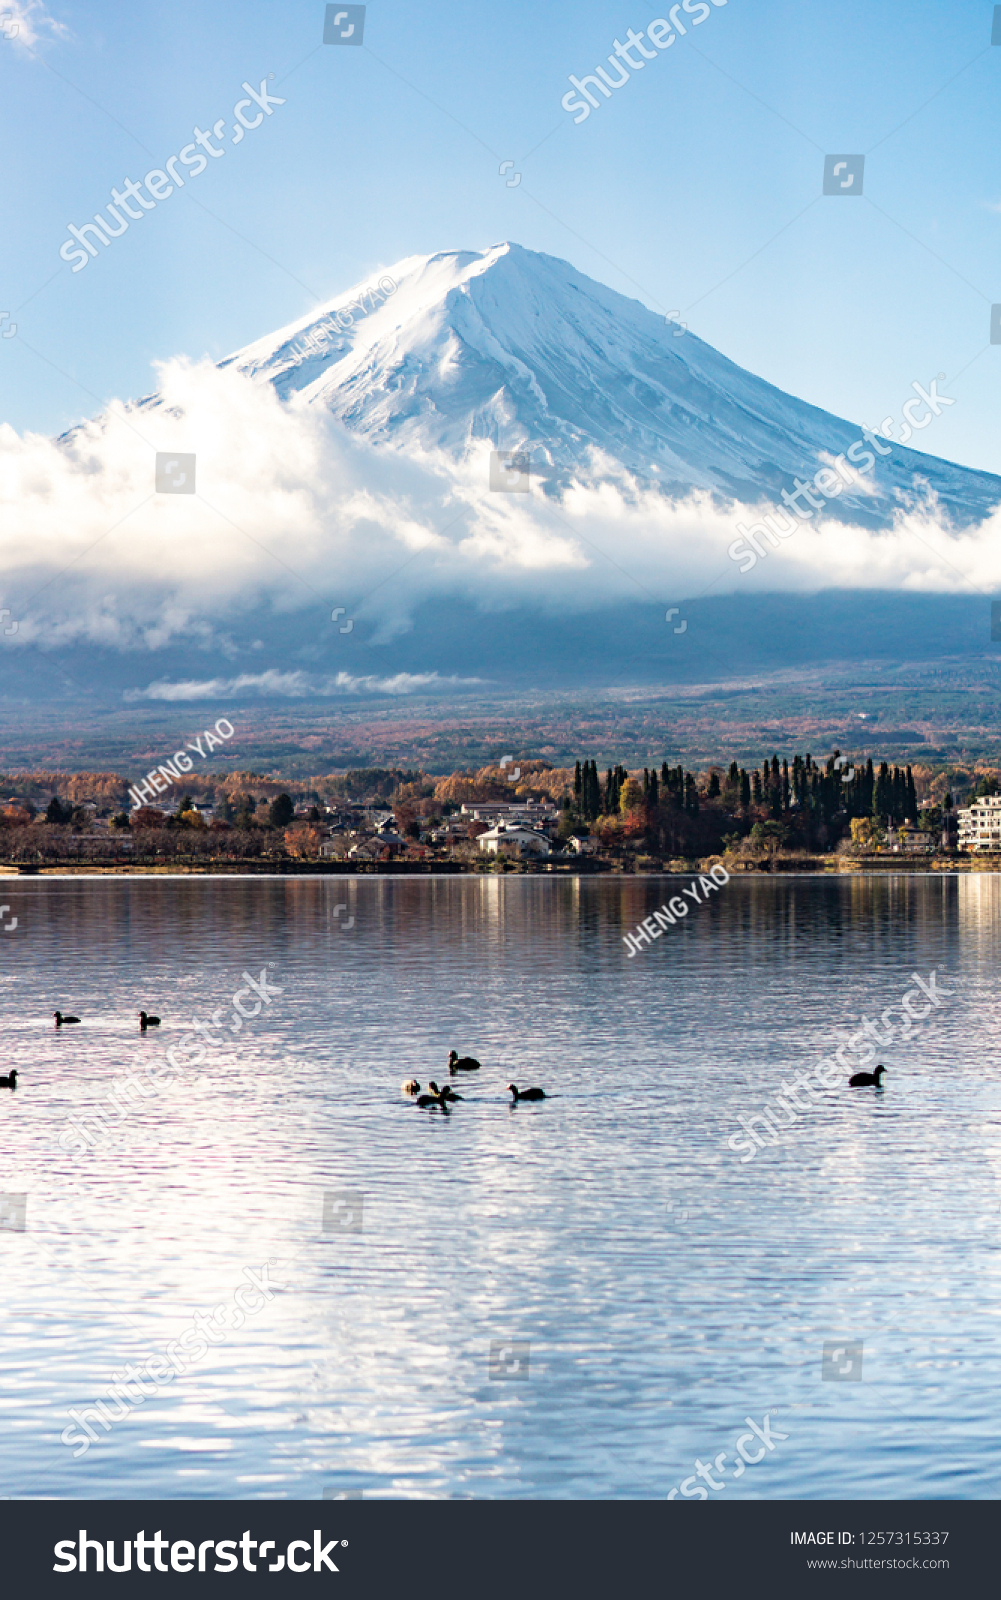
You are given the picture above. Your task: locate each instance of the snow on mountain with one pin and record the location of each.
(342, 474)
(519, 348)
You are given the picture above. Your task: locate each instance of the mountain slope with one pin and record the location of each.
(517, 347)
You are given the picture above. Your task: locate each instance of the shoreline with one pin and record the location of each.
(820, 866)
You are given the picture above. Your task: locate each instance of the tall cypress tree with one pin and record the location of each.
(577, 784)
(756, 783)
(912, 798)
(745, 788)
(653, 797)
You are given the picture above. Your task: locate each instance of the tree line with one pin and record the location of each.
(803, 801)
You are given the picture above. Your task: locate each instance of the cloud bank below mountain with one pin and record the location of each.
(294, 511)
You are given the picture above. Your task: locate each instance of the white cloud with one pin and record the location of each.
(297, 685)
(28, 23)
(292, 511)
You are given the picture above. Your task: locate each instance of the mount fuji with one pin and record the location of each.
(517, 348)
(335, 452)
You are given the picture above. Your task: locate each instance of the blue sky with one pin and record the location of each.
(697, 186)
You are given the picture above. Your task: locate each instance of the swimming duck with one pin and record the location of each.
(458, 1063)
(11, 1081)
(858, 1080)
(411, 1086)
(448, 1093)
(432, 1100)
(526, 1094)
(60, 1019)
(147, 1022)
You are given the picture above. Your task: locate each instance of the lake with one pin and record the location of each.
(578, 1298)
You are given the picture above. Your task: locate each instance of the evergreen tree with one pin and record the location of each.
(785, 784)
(653, 796)
(593, 792)
(911, 809)
(881, 793)
(733, 776)
(281, 811)
(245, 807)
(712, 792)
(745, 788)
(756, 782)
(577, 783)
(691, 796)
(611, 803)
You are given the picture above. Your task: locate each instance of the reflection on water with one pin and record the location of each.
(576, 1298)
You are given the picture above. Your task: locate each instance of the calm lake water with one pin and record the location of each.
(666, 1289)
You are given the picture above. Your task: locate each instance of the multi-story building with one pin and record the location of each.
(980, 824)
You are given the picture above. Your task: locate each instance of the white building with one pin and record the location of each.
(511, 810)
(980, 824)
(508, 838)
